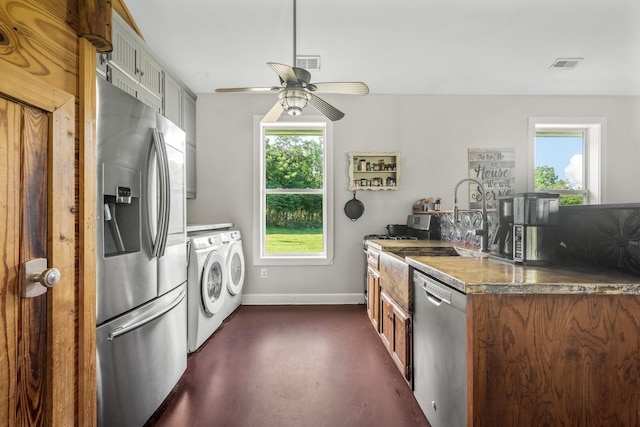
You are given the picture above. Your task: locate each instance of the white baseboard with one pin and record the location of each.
(300, 299)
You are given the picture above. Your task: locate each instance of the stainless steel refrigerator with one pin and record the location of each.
(141, 258)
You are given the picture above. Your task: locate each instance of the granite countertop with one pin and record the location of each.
(484, 275)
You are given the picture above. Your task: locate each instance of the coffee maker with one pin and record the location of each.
(504, 231)
(535, 222)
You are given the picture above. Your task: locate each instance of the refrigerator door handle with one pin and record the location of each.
(166, 196)
(138, 323)
(158, 145)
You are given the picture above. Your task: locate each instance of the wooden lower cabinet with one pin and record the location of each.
(571, 360)
(373, 295)
(389, 318)
(395, 332)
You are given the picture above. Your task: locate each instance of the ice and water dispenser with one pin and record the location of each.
(121, 193)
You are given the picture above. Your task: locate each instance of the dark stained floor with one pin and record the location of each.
(284, 366)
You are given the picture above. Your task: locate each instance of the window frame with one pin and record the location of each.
(260, 192)
(594, 151)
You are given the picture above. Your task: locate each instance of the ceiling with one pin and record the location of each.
(402, 46)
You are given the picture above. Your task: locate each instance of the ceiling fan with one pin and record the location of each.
(296, 90)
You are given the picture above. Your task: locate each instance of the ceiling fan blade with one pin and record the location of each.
(286, 73)
(247, 89)
(347, 88)
(325, 108)
(274, 114)
(302, 75)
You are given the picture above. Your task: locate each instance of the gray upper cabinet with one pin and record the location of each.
(101, 64)
(173, 100)
(189, 122)
(132, 67)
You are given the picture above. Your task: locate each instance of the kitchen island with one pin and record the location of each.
(554, 345)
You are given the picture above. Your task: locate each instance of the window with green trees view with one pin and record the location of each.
(294, 192)
(566, 155)
(559, 164)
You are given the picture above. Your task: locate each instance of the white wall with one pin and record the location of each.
(432, 133)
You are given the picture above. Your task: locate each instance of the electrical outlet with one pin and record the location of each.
(263, 273)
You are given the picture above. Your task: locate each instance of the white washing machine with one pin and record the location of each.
(215, 281)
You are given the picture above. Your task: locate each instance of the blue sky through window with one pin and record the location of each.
(564, 154)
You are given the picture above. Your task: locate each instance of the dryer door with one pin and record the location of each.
(235, 265)
(212, 285)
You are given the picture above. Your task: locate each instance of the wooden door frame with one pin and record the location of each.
(61, 373)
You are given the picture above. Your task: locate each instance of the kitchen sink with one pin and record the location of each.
(431, 251)
(470, 253)
(438, 251)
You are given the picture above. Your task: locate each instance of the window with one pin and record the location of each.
(293, 193)
(566, 157)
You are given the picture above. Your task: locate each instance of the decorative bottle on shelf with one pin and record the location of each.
(437, 205)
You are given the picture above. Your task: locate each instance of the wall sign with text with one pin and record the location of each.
(495, 169)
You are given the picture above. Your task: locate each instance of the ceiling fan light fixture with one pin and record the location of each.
(293, 101)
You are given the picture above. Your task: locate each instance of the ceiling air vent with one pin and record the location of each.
(565, 63)
(308, 62)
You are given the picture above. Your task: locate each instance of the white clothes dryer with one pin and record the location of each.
(206, 289)
(235, 273)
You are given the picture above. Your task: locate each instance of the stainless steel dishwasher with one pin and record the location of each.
(439, 351)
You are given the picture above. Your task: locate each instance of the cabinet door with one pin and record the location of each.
(189, 116)
(191, 171)
(121, 80)
(124, 49)
(101, 64)
(387, 328)
(402, 341)
(173, 100)
(373, 303)
(189, 126)
(150, 72)
(150, 99)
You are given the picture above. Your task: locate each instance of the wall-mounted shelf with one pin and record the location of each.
(369, 170)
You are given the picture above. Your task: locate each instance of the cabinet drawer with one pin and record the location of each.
(373, 258)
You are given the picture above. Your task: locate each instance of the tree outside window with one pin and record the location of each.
(559, 164)
(294, 178)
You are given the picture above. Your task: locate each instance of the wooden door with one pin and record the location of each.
(24, 165)
(37, 335)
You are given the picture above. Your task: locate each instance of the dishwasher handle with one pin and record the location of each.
(436, 293)
(433, 299)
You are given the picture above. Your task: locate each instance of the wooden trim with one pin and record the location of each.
(27, 88)
(24, 87)
(61, 310)
(87, 263)
(94, 22)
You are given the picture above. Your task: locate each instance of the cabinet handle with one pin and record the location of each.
(389, 316)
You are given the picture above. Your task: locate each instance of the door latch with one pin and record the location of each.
(36, 277)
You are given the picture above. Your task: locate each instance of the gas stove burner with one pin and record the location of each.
(388, 237)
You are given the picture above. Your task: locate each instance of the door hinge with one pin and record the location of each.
(407, 372)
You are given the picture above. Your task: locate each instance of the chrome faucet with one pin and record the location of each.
(483, 232)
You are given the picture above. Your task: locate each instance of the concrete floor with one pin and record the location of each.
(287, 366)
